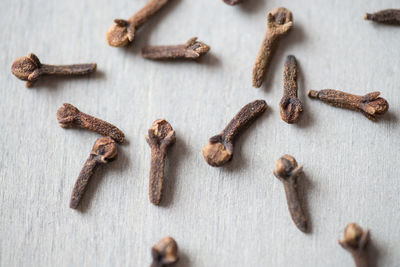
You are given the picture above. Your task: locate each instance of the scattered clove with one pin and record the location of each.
(192, 49)
(279, 22)
(123, 32)
(69, 116)
(232, 2)
(288, 171)
(291, 106)
(165, 252)
(160, 137)
(30, 69)
(387, 16)
(219, 149)
(369, 105)
(104, 151)
(355, 241)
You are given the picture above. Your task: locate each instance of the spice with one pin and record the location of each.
(104, 151)
(69, 116)
(233, 2)
(355, 241)
(124, 31)
(387, 16)
(192, 49)
(290, 105)
(160, 137)
(219, 149)
(279, 22)
(287, 171)
(30, 69)
(369, 105)
(165, 252)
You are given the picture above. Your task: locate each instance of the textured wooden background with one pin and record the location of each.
(231, 216)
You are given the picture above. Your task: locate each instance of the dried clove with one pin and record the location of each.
(232, 2)
(219, 149)
(287, 171)
(369, 105)
(355, 241)
(123, 32)
(69, 116)
(160, 137)
(30, 69)
(387, 16)
(104, 151)
(192, 49)
(291, 106)
(279, 22)
(165, 252)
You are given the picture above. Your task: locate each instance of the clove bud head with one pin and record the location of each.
(161, 134)
(216, 153)
(374, 105)
(121, 33)
(67, 114)
(23, 67)
(165, 252)
(287, 167)
(354, 237)
(197, 48)
(280, 20)
(105, 149)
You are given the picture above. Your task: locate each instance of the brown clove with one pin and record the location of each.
(369, 105)
(69, 116)
(291, 106)
(219, 149)
(160, 137)
(123, 32)
(104, 151)
(233, 2)
(355, 241)
(192, 49)
(165, 252)
(30, 69)
(387, 16)
(279, 22)
(287, 171)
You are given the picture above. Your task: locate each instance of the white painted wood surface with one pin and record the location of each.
(231, 216)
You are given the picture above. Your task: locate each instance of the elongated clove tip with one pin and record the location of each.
(291, 59)
(312, 93)
(232, 2)
(367, 16)
(303, 226)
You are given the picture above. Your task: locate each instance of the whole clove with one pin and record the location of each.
(192, 49)
(233, 2)
(123, 32)
(369, 105)
(165, 252)
(30, 69)
(104, 151)
(355, 241)
(387, 16)
(219, 149)
(291, 106)
(69, 116)
(160, 137)
(279, 22)
(288, 171)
